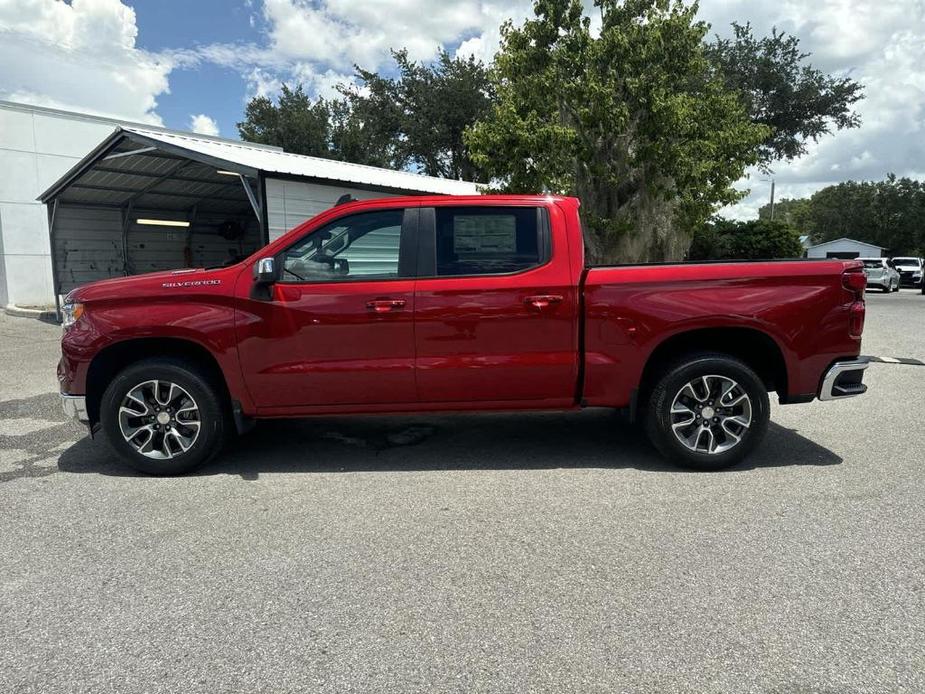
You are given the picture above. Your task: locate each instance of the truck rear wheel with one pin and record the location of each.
(707, 412)
(163, 417)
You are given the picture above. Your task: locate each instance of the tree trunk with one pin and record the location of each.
(643, 228)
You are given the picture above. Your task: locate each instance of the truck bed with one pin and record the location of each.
(633, 310)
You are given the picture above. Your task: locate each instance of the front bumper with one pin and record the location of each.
(75, 407)
(843, 380)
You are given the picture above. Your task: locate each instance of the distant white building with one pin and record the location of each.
(844, 248)
(97, 176)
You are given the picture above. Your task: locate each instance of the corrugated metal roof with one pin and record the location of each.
(845, 238)
(279, 162)
(116, 122)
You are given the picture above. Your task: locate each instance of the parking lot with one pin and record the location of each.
(514, 553)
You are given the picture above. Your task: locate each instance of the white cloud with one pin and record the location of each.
(879, 44)
(203, 124)
(335, 34)
(261, 83)
(318, 43)
(79, 56)
(484, 44)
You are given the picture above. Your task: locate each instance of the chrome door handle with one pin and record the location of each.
(541, 301)
(385, 305)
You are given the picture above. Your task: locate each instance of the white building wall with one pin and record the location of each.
(289, 203)
(36, 148)
(864, 250)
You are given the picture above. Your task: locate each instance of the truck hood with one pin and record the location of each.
(155, 284)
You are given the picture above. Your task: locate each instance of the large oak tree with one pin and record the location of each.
(632, 120)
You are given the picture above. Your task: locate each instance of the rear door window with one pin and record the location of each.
(489, 240)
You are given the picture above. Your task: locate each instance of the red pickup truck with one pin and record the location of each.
(423, 304)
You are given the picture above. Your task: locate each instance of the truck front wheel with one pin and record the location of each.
(707, 412)
(162, 417)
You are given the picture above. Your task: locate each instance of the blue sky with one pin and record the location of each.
(206, 88)
(193, 64)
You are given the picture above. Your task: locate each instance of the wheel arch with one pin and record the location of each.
(119, 355)
(757, 349)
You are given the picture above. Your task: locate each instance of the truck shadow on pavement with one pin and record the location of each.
(591, 439)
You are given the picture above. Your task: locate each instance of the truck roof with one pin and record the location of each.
(424, 200)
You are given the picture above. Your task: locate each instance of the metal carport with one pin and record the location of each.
(146, 200)
(135, 204)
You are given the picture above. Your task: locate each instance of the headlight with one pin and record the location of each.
(71, 312)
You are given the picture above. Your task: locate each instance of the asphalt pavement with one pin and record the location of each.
(485, 553)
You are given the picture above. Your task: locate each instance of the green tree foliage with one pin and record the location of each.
(790, 211)
(631, 121)
(362, 135)
(796, 101)
(888, 213)
(334, 129)
(722, 239)
(426, 110)
(414, 120)
(295, 122)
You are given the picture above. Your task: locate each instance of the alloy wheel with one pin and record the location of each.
(159, 419)
(711, 414)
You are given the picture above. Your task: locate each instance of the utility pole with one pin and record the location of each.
(772, 199)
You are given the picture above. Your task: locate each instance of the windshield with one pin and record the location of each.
(872, 262)
(914, 262)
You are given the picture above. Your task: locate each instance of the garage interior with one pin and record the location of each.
(137, 205)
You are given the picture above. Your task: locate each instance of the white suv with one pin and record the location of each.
(910, 271)
(881, 273)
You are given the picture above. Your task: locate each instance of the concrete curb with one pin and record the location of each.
(43, 314)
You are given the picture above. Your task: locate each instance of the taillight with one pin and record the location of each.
(854, 280)
(856, 318)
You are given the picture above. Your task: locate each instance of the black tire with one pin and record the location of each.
(212, 415)
(658, 417)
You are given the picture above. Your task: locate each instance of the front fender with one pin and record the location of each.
(208, 325)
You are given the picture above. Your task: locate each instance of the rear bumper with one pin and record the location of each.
(843, 380)
(75, 407)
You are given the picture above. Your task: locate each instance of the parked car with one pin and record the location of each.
(910, 271)
(881, 273)
(424, 304)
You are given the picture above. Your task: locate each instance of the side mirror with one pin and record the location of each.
(265, 271)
